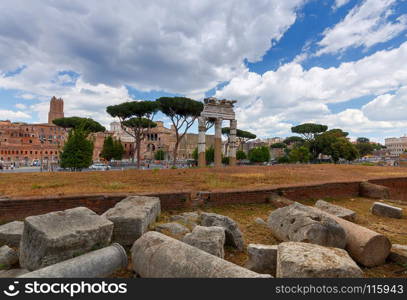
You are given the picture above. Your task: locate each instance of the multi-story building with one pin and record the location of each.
(396, 146)
(25, 144)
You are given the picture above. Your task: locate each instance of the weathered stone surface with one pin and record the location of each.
(208, 239)
(262, 258)
(155, 255)
(131, 218)
(188, 218)
(365, 246)
(374, 191)
(300, 223)
(336, 210)
(278, 201)
(57, 236)
(8, 257)
(173, 228)
(304, 260)
(234, 236)
(385, 210)
(13, 273)
(260, 221)
(398, 254)
(10, 233)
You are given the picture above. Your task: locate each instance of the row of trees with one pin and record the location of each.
(136, 118)
(316, 140)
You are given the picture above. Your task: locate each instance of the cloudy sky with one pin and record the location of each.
(342, 63)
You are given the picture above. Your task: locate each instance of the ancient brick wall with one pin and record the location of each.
(19, 208)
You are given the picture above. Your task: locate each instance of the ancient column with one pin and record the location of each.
(232, 142)
(201, 142)
(218, 143)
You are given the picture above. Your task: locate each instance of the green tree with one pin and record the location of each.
(294, 140)
(342, 148)
(86, 124)
(362, 140)
(182, 112)
(299, 154)
(259, 154)
(108, 149)
(118, 150)
(210, 155)
(278, 146)
(78, 151)
(195, 154)
(240, 155)
(309, 130)
(136, 119)
(159, 155)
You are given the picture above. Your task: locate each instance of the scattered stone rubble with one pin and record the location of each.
(155, 255)
(208, 239)
(304, 260)
(10, 234)
(174, 229)
(234, 236)
(262, 258)
(132, 217)
(278, 201)
(385, 210)
(398, 254)
(8, 257)
(54, 244)
(189, 218)
(58, 236)
(365, 246)
(300, 223)
(374, 191)
(336, 210)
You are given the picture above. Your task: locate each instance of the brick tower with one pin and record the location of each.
(56, 109)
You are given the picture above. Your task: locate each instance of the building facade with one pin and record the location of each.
(396, 146)
(158, 138)
(27, 144)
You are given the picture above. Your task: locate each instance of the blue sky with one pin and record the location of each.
(336, 62)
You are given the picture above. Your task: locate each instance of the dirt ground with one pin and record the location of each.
(207, 179)
(244, 215)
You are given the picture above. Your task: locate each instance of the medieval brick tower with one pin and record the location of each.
(56, 109)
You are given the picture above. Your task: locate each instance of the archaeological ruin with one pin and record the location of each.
(217, 111)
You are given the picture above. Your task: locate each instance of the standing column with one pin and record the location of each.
(201, 142)
(218, 143)
(232, 143)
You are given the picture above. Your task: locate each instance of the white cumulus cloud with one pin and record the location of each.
(366, 25)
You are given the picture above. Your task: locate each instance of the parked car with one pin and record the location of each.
(100, 167)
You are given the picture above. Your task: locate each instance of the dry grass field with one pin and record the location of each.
(208, 179)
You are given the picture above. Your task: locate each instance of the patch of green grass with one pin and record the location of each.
(47, 186)
(368, 164)
(114, 186)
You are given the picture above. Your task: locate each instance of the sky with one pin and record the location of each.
(342, 63)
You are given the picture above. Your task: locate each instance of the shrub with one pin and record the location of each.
(259, 154)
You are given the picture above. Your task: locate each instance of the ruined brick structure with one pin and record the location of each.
(56, 110)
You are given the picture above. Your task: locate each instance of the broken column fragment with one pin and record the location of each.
(155, 255)
(300, 223)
